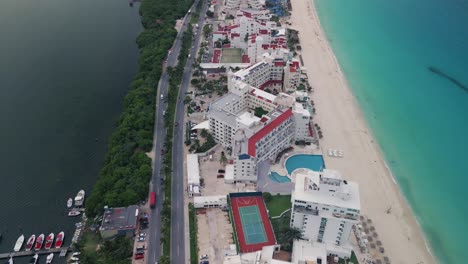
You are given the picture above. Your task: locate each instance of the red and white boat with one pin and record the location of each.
(30, 243)
(39, 242)
(49, 241)
(59, 240)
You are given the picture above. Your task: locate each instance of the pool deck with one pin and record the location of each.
(265, 184)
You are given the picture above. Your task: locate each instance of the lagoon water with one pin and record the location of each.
(420, 119)
(65, 66)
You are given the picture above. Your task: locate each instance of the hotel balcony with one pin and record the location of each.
(305, 210)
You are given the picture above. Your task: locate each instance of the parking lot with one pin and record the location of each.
(140, 246)
(214, 234)
(212, 185)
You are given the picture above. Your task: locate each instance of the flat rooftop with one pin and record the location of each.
(217, 109)
(305, 176)
(120, 218)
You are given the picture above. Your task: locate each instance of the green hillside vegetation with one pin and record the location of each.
(125, 175)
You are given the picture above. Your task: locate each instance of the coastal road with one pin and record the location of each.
(178, 241)
(154, 228)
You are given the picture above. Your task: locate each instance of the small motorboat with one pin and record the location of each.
(10, 261)
(39, 242)
(79, 198)
(74, 213)
(76, 254)
(30, 243)
(74, 259)
(19, 243)
(49, 241)
(69, 203)
(34, 259)
(59, 240)
(50, 258)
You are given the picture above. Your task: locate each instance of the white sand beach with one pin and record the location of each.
(344, 128)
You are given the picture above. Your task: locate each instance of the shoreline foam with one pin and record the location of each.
(343, 123)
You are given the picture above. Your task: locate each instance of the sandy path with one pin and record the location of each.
(344, 128)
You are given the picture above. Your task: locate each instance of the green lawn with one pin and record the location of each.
(278, 204)
(90, 241)
(193, 235)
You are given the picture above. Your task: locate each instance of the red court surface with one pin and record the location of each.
(238, 200)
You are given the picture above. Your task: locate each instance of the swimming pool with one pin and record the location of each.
(278, 178)
(313, 162)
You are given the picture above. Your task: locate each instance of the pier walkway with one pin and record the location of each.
(63, 251)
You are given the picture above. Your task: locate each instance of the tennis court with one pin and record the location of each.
(252, 224)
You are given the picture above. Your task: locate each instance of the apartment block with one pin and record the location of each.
(325, 207)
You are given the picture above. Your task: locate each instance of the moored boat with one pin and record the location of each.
(30, 242)
(74, 213)
(69, 203)
(49, 241)
(19, 243)
(79, 199)
(10, 261)
(39, 242)
(34, 259)
(50, 258)
(59, 240)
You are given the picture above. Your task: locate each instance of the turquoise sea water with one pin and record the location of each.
(419, 118)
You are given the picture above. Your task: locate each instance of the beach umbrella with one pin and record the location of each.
(387, 260)
(378, 242)
(374, 234)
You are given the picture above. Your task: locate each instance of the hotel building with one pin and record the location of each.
(324, 208)
(253, 139)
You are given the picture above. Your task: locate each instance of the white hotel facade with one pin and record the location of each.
(324, 208)
(254, 139)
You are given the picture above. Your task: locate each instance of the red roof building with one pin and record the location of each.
(269, 128)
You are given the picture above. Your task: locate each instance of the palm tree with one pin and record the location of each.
(223, 160)
(289, 234)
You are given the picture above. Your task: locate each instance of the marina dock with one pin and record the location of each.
(63, 251)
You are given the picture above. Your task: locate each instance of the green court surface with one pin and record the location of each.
(252, 224)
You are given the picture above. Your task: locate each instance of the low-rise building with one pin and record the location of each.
(218, 201)
(121, 221)
(193, 175)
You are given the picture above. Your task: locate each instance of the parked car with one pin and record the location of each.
(221, 171)
(143, 234)
(141, 239)
(141, 248)
(139, 256)
(202, 257)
